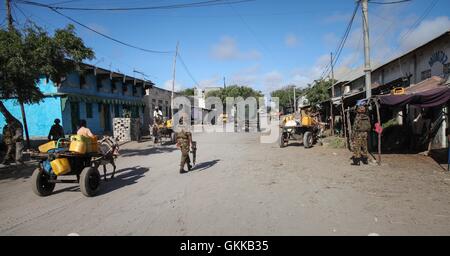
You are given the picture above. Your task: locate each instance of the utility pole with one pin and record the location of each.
(295, 102)
(22, 108)
(173, 78)
(224, 84)
(332, 96)
(367, 69)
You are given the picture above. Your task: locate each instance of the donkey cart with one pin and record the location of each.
(83, 166)
(56, 159)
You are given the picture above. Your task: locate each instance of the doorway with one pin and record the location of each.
(74, 115)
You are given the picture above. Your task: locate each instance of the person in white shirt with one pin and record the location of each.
(157, 115)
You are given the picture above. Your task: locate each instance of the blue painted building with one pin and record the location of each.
(96, 95)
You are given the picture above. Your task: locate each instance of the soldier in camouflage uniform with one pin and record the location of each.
(184, 142)
(8, 140)
(361, 128)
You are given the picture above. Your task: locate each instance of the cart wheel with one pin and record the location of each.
(307, 139)
(89, 181)
(173, 138)
(40, 184)
(282, 141)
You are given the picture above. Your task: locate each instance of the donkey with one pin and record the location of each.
(109, 148)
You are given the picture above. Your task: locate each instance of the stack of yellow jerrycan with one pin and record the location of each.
(59, 166)
(82, 145)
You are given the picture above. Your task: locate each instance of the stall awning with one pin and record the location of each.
(428, 93)
(96, 99)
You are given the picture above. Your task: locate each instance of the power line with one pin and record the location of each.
(98, 51)
(163, 7)
(106, 36)
(394, 2)
(341, 44)
(187, 70)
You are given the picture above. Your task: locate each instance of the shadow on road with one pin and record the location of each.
(15, 172)
(145, 151)
(125, 177)
(205, 165)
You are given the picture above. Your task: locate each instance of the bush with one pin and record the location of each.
(336, 142)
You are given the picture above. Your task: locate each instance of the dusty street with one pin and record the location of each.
(239, 187)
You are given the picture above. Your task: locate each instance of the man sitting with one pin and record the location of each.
(84, 131)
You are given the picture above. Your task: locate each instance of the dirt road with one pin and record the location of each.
(239, 187)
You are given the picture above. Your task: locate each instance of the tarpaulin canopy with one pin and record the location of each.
(428, 93)
(431, 98)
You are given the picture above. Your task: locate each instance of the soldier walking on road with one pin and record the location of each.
(17, 132)
(184, 142)
(361, 128)
(8, 140)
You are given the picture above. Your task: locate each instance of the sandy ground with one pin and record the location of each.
(239, 187)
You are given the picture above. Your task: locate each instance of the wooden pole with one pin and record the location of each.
(332, 96)
(379, 134)
(349, 127)
(173, 80)
(343, 121)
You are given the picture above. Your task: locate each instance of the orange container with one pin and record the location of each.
(60, 166)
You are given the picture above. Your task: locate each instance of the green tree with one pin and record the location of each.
(235, 91)
(187, 92)
(318, 91)
(29, 53)
(286, 96)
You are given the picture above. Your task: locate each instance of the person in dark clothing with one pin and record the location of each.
(56, 131)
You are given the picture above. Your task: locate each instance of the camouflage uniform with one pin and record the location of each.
(361, 127)
(184, 139)
(7, 138)
(17, 132)
(360, 145)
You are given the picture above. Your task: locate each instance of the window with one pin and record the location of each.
(113, 86)
(426, 74)
(124, 88)
(134, 90)
(82, 81)
(88, 110)
(99, 83)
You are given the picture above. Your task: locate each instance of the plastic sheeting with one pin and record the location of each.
(430, 98)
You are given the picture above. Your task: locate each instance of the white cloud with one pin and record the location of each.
(168, 85)
(247, 76)
(426, 31)
(210, 82)
(273, 80)
(291, 40)
(227, 49)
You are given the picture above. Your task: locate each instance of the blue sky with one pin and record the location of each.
(265, 44)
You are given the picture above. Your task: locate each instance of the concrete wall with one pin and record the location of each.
(40, 116)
